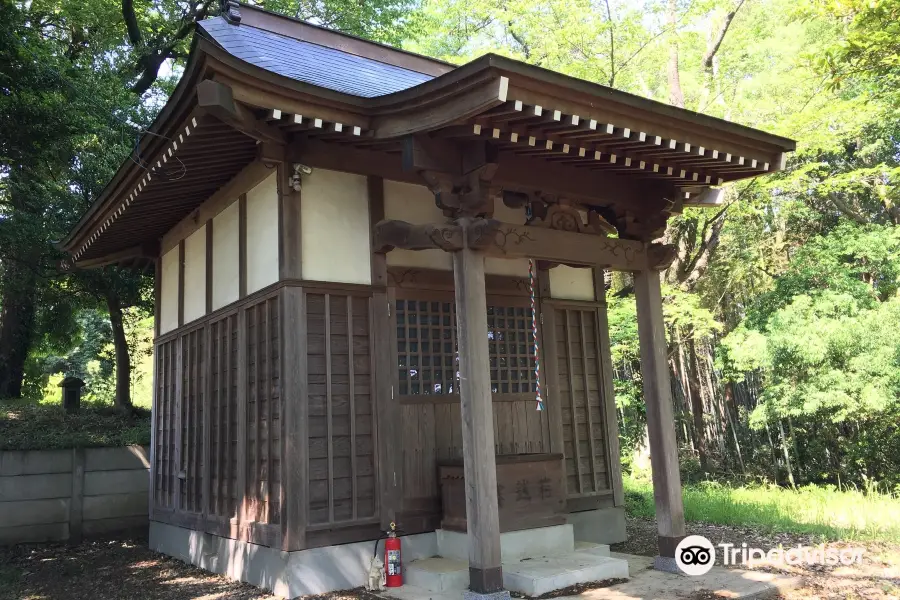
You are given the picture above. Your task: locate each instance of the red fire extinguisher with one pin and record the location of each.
(393, 565)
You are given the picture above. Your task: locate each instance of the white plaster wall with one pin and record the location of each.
(226, 257)
(415, 204)
(195, 275)
(570, 283)
(168, 296)
(334, 228)
(262, 234)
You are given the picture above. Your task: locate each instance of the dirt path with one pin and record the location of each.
(125, 568)
(877, 578)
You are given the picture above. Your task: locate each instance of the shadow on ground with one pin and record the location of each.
(109, 569)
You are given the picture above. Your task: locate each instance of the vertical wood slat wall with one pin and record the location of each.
(218, 429)
(263, 413)
(341, 423)
(164, 434)
(223, 417)
(580, 397)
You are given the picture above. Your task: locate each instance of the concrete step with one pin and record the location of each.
(413, 592)
(437, 574)
(592, 548)
(514, 545)
(537, 576)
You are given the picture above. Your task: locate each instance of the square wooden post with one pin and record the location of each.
(660, 417)
(485, 572)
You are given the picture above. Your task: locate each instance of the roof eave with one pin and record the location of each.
(181, 96)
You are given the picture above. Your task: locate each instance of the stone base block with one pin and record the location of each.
(539, 576)
(667, 564)
(514, 545)
(601, 526)
(470, 595)
(287, 574)
(437, 574)
(592, 548)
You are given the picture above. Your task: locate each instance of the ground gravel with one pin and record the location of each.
(123, 567)
(877, 578)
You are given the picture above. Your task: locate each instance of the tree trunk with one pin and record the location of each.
(732, 423)
(697, 403)
(774, 454)
(676, 96)
(16, 326)
(123, 359)
(787, 455)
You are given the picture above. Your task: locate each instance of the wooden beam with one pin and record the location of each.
(294, 390)
(608, 392)
(149, 251)
(478, 95)
(523, 241)
(514, 173)
(476, 408)
(660, 416)
(383, 352)
(505, 240)
(218, 99)
(422, 153)
(390, 234)
(289, 214)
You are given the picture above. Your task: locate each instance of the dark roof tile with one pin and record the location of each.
(310, 63)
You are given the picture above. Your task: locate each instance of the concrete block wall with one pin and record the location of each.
(57, 495)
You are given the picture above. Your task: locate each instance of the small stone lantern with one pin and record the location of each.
(71, 394)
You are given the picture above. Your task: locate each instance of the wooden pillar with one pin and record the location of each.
(660, 415)
(485, 573)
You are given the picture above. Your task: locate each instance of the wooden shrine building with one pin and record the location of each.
(341, 234)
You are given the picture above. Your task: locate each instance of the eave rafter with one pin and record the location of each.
(548, 132)
(170, 151)
(589, 143)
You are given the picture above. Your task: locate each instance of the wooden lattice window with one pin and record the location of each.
(428, 363)
(511, 348)
(426, 347)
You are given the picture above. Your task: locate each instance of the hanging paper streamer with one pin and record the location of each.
(534, 333)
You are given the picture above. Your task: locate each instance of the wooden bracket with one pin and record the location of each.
(218, 100)
(390, 234)
(506, 240)
(459, 175)
(660, 256)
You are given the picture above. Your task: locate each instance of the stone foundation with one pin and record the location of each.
(287, 574)
(602, 526)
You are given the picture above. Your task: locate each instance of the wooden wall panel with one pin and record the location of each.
(223, 417)
(432, 431)
(342, 473)
(430, 422)
(164, 436)
(580, 400)
(263, 413)
(218, 437)
(193, 391)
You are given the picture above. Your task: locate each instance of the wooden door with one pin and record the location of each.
(581, 400)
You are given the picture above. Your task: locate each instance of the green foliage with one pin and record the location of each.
(845, 514)
(871, 47)
(387, 21)
(29, 426)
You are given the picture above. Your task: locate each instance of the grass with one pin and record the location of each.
(847, 514)
(28, 425)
